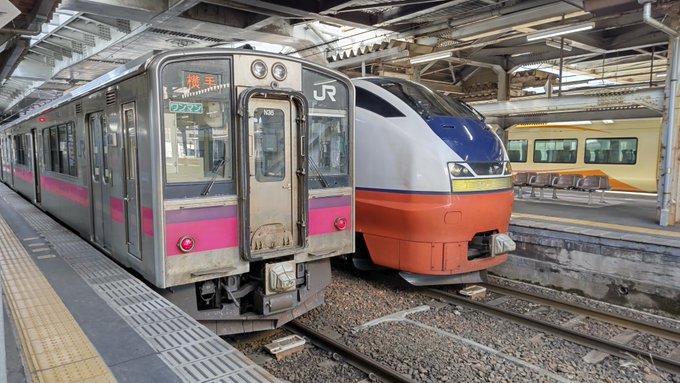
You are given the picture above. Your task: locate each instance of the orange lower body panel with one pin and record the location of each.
(429, 233)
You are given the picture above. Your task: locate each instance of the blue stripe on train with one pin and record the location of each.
(470, 139)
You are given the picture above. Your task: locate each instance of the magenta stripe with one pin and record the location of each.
(147, 221)
(117, 210)
(208, 235)
(24, 175)
(74, 193)
(322, 221)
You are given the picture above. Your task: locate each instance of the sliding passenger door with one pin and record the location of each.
(100, 204)
(132, 217)
(36, 163)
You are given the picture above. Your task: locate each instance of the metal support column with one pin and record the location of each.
(668, 214)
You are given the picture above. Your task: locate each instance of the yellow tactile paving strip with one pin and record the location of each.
(55, 348)
(600, 225)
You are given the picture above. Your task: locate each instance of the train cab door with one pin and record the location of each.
(131, 187)
(276, 212)
(36, 163)
(100, 204)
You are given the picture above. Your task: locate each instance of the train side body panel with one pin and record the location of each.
(638, 177)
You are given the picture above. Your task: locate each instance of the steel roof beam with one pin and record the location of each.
(649, 98)
(404, 14)
(620, 114)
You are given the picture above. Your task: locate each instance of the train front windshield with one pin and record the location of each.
(197, 118)
(426, 102)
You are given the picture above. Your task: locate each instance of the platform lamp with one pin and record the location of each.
(559, 31)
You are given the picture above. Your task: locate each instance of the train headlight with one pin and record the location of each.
(279, 71)
(258, 68)
(458, 170)
(508, 168)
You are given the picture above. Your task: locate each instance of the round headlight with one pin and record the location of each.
(279, 71)
(259, 68)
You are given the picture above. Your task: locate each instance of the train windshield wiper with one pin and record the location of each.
(214, 171)
(322, 179)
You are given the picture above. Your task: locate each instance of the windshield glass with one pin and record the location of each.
(423, 100)
(328, 128)
(196, 120)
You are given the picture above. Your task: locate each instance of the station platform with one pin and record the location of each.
(613, 251)
(73, 315)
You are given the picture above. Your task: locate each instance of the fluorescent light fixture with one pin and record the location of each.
(520, 54)
(558, 45)
(560, 31)
(430, 57)
(661, 75)
(571, 123)
(608, 122)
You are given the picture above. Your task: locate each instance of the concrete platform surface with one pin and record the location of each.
(74, 315)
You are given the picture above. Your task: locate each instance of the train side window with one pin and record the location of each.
(54, 149)
(19, 152)
(59, 149)
(561, 151)
(371, 102)
(63, 148)
(613, 151)
(517, 150)
(71, 147)
(46, 148)
(131, 136)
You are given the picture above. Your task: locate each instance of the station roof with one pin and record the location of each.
(457, 46)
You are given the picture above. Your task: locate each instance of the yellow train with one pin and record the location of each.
(625, 150)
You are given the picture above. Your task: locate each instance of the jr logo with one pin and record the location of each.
(326, 91)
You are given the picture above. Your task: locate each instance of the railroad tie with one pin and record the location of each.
(595, 356)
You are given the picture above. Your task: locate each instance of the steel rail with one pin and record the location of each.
(577, 308)
(590, 341)
(357, 359)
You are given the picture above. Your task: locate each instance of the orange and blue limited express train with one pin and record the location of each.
(434, 185)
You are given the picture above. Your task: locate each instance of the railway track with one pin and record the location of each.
(604, 345)
(376, 371)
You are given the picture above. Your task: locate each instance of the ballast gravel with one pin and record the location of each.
(452, 343)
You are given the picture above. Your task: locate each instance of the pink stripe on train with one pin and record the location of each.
(117, 210)
(118, 215)
(24, 175)
(322, 221)
(217, 227)
(74, 193)
(208, 235)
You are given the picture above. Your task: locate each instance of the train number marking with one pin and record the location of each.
(326, 90)
(268, 112)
